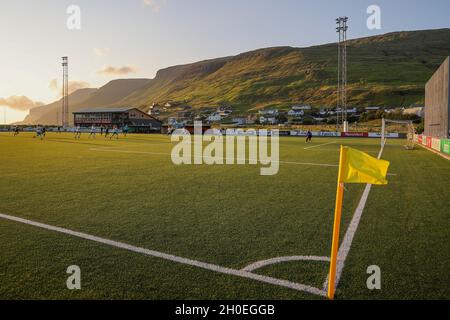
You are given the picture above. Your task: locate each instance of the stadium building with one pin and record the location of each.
(135, 119)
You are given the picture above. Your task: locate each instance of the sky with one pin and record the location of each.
(136, 38)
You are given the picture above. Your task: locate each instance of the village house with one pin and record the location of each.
(155, 110)
(268, 120)
(269, 112)
(184, 115)
(214, 117)
(301, 107)
(296, 113)
(251, 119)
(240, 121)
(224, 111)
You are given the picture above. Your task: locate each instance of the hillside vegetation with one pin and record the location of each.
(386, 70)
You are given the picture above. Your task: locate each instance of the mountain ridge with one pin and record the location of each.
(384, 70)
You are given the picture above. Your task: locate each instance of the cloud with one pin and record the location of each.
(155, 5)
(117, 71)
(101, 52)
(53, 85)
(20, 103)
(73, 86)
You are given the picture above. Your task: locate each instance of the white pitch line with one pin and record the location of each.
(263, 263)
(320, 145)
(344, 249)
(165, 256)
(168, 154)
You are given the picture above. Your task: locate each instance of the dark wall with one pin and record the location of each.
(437, 103)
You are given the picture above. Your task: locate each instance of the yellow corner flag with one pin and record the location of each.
(359, 167)
(354, 167)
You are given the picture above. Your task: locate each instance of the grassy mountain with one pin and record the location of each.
(108, 95)
(111, 93)
(385, 70)
(390, 69)
(48, 114)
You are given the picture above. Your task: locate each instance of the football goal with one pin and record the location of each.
(398, 126)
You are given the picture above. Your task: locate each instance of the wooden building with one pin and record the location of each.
(136, 120)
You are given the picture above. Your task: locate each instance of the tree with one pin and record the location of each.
(331, 121)
(308, 121)
(420, 128)
(282, 118)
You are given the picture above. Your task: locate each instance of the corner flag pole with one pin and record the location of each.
(336, 227)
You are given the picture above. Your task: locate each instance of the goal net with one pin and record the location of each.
(398, 126)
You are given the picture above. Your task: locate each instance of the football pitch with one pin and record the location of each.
(196, 231)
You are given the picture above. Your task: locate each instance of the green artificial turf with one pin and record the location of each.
(225, 215)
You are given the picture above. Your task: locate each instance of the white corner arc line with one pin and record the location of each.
(263, 263)
(319, 145)
(165, 256)
(344, 249)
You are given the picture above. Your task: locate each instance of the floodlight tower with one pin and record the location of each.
(338, 90)
(65, 93)
(341, 111)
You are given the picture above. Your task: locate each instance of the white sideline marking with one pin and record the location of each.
(168, 154)
(165, 256)
(268, 262)
(320, 145)
(344, 249)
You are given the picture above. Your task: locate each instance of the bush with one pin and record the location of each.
(331, 121)
(420, 128)
(308, 121)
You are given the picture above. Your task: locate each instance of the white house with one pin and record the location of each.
(154, 111)
(224, 111)
(215, 117)
(301, 107)
(269, 112)
(240, 121)
(268, 120)
(418, 111)
(296, 113)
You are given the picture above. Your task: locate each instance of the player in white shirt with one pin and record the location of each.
(39, 133)
(93, 130)
(115, 133)
(77, 132)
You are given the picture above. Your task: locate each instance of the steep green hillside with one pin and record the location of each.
(386, 70)
(391, 69)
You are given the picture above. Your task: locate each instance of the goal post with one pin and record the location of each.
(411, 131)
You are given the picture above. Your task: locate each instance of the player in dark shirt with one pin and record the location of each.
(309, 136)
